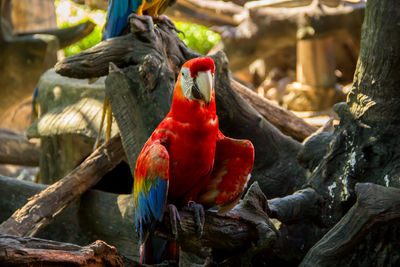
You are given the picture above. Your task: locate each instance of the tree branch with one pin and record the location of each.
(42, 208)
(283, 119)
(16, 149)
(27, 251)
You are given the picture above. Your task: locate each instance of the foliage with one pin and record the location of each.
(197, 37)
(91, 40)
(70, 14)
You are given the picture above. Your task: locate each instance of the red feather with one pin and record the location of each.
(198, 161)
(201, 64)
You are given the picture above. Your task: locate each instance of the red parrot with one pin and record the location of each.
(187, 159)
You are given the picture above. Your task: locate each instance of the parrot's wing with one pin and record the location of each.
(150, 186)
(233, 164)
(117, 16)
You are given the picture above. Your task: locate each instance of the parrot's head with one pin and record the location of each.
(197, 79)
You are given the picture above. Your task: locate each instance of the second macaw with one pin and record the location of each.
(187, 158)
(119, 10)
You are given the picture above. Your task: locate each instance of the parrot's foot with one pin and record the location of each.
(174, 219)
(167, 21)
(198, 214)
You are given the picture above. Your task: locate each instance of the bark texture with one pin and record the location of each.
(27, 251)
(16, 149)
(364, 148)
(376, 206)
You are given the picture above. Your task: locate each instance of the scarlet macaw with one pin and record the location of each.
(187, 158)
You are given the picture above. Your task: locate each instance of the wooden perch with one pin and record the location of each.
(42, 208)
(247, 223)
(376, 206)
(283, 119)
(16, 149)
(107, 215)
(27, 251)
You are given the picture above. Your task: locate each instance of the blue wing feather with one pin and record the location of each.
(150, 196)
(149, 207)
(117, 16)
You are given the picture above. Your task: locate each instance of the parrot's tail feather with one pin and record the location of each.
(155, 250)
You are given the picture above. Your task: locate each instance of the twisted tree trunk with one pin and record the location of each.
(364, 148)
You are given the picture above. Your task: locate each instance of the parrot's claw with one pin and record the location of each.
(174, 218)
(198, 214)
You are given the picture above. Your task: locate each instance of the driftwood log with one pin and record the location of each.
(28, 251)
(42, 208)
(16, 149)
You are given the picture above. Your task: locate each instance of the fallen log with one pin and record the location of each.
(28, 251)
(44, 207)
(16, 149)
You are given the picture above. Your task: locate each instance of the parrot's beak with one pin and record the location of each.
(204, 85)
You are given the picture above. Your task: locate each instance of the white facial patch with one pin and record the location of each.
(186, 83)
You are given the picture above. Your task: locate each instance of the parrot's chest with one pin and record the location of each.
(191, 161)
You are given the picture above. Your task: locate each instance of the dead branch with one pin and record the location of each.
(208, 13)
(283, 119)
(376, 206)
(16, 149)
(66, 36)
(27, 251)
(301, 204)
(44, 207)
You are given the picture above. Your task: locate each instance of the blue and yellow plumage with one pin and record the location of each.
(150, 193)
(119, 10)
